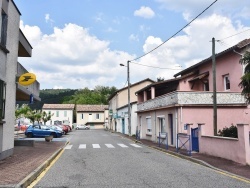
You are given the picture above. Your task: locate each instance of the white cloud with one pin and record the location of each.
(145, 12)
(71, 58)
(48, 19)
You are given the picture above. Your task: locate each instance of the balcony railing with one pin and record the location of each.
(192, 98)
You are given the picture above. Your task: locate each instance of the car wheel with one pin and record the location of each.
(29, 135)
(77, 128)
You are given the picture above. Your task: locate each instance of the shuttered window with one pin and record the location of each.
(2, 99)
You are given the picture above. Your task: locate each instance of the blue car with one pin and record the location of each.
(41, 131)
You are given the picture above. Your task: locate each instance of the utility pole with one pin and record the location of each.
(129, 107)
(214, 88)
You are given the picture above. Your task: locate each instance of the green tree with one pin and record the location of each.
(22, 111)
(245, 79)
(34, 115)
(46, 116)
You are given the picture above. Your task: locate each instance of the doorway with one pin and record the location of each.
(170, 122)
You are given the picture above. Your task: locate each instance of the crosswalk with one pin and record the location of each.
(98, 146)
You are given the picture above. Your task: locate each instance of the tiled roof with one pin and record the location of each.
(90, 108)
(58, 106)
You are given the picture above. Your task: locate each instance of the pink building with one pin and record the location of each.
(169, 105)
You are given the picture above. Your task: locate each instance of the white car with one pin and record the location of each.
(84, 127)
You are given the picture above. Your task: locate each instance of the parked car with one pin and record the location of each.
(55, 127)
(84, 127)
(65, 128)
(69, 128)
(41, 131)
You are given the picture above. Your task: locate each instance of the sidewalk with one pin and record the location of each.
(28, 162)
(224, 165)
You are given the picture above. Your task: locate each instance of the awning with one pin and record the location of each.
(199, 77)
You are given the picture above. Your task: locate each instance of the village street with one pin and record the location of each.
(97, 158)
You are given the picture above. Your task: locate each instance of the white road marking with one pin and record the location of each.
(109, 146)
(68, 147)
(96, 146)
(122, 145)
(135, 145)
(82, 146)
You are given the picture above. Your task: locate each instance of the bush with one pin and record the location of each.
(229, 132)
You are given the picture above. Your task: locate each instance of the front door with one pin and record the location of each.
(171, 127)
(123, 126)
(195, 140)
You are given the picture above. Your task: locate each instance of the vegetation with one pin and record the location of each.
(32, 115)
(229, 132)
(245, 79)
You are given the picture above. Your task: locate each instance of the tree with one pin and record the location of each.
(34, 115)
(245, 79)
(22, 111)
(46, 117)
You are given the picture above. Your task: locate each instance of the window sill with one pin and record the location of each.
(4, 49)
(2, 122)
(148, 134)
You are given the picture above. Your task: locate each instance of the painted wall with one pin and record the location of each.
(6, 130)
(89, 117)
(61, 116)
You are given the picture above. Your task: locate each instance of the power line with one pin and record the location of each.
(234, 35)
(175, 33)
(154, 67)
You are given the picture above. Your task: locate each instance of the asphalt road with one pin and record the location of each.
(97, 158)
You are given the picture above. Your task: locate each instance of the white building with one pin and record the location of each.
(61, 113)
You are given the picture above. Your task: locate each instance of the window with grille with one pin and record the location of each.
(149, 125)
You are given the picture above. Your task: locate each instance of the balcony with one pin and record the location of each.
(179, 98)
(23, 92)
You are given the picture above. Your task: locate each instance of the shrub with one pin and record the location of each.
(229, 132)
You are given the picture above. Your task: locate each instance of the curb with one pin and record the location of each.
(33, 175)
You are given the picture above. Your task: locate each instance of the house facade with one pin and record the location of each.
(13, 44)
(62, 114)
(118, 107)
(94, 115)
(168, 106)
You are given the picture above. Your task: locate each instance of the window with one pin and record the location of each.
(162, 125)
(2, 99)
(97, 116)
(57, 113)
(4, 28)
(149, 126)
(65, 113)
(226, 82)
(206, 86)
(82, 116)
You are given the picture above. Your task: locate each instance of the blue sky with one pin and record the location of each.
(81, 43)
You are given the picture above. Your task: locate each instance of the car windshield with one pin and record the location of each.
(44, 127)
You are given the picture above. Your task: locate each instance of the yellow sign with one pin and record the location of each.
(27, 79)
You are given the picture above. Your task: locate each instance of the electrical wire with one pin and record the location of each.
(154, 67)
(175, 33)
(234, 35)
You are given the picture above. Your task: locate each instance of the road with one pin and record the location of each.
(97, 158)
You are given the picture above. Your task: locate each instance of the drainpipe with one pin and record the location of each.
(176, 125)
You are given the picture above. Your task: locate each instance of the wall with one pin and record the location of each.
(237, 150)
(6, 130)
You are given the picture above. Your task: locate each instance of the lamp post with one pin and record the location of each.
(129, 107)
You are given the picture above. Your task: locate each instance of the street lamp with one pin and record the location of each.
(129, 107)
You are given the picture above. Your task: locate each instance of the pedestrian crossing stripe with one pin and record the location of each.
(97, 146)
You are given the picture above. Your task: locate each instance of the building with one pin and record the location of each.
(94, 115)
(171, 105)
(13, 44)
(62, 114)
(118, 107)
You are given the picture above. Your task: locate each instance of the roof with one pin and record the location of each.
(131, 85)
(58, 106)
(91, 108)
(240, 45)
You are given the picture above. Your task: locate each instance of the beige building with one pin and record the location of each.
(62, 113)
(118, 107)
(13, 44)
(94, 115)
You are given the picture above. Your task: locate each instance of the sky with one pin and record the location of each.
(81, 43)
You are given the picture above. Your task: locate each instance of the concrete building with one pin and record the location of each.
(118, 107)
(13, 44)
